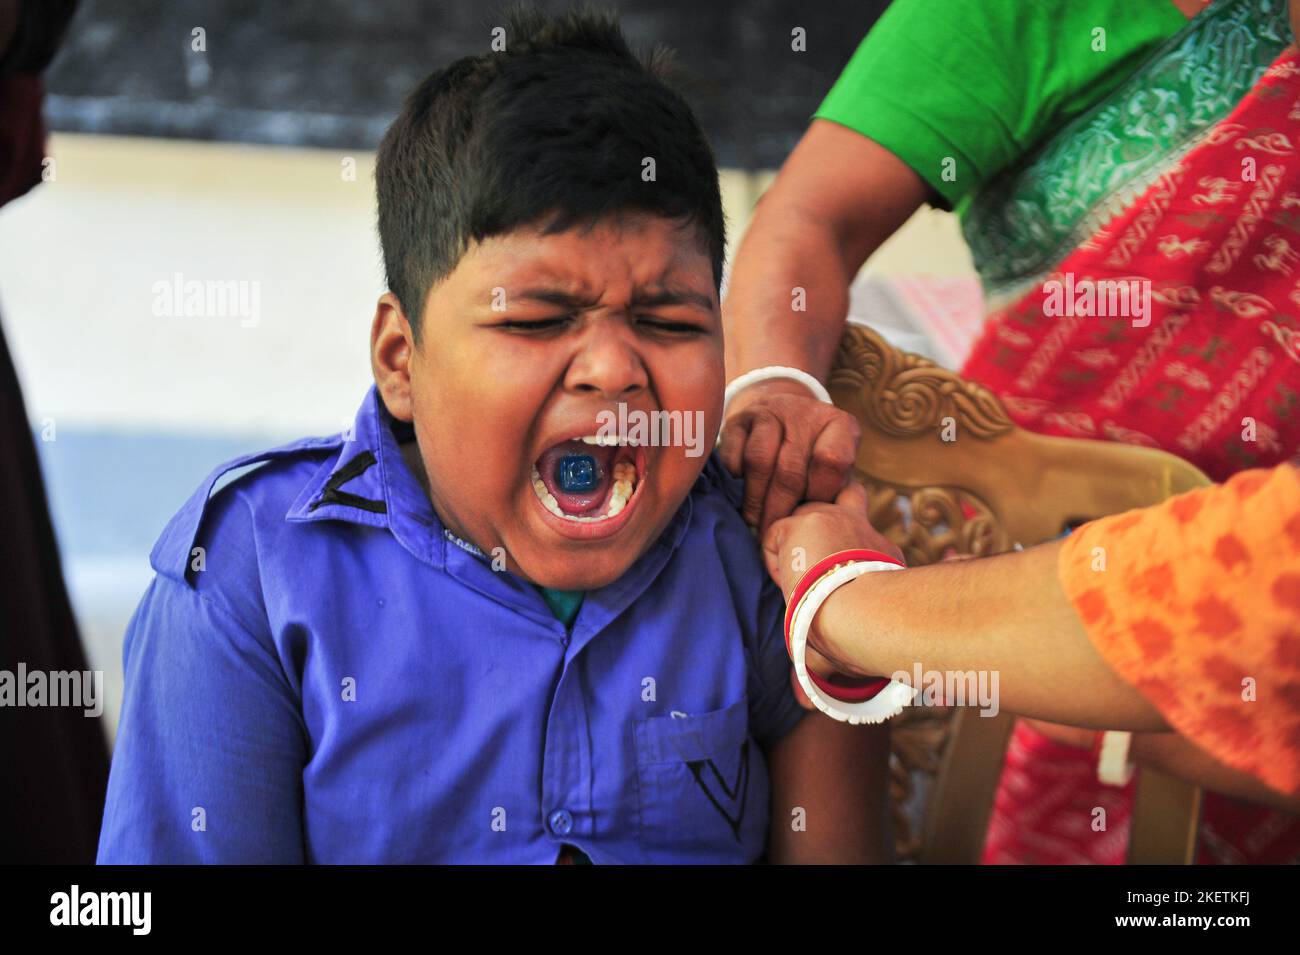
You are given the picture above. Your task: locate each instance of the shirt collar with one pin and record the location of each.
(369, 483)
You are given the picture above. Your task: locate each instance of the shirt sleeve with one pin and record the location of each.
(210, 748)
(1196, 602)
(773, 709)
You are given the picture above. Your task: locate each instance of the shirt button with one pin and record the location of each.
(561, 822)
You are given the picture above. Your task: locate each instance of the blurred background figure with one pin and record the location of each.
(56, 760)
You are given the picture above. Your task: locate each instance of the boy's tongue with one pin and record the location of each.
(570, 455)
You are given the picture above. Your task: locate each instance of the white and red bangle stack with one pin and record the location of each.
(872, 700)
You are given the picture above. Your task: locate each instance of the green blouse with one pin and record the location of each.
(980, 82)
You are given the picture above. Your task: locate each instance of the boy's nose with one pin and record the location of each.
(609, 363)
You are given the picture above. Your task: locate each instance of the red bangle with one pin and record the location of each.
(855, 691)
(815, 572)
(839, 688)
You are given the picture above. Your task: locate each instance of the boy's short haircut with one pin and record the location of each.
(554, 131)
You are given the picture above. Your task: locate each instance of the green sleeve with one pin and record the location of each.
(959, 89)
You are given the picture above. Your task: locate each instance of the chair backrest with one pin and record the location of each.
(947, 470)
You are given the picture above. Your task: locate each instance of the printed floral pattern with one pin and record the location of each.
(1198, 606)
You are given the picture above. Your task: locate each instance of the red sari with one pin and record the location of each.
(1211, 373)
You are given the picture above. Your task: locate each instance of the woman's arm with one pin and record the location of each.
(1175, 756)
(1169, 753)
(1179, 616)
(1004, 615)
(836, 199)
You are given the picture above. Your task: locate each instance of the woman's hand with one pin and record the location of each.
(788, 446)
(817, 530)
(813, 531)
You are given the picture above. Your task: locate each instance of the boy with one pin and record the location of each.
(482, 625)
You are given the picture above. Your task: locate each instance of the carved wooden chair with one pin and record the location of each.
(993, 487)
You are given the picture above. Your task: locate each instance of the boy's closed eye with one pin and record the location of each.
(653, 324)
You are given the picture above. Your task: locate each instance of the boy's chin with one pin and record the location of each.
(576, 573)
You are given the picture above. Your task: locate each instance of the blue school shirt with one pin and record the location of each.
(318, 674)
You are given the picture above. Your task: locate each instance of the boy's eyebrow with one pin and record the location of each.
(672, 296)
(554, 296)
(649, 298)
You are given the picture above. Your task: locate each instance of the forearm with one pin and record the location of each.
(1172, 754)
(781, 254)
(837, 198)
(1004, 615)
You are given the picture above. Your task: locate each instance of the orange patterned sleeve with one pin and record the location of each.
(1196, 602)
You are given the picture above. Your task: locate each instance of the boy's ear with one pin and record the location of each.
(392, 348)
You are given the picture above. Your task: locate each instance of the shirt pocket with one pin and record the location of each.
(702, 787)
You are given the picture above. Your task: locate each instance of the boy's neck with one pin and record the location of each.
(415, 463)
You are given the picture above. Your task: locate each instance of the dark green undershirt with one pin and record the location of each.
(563, 603)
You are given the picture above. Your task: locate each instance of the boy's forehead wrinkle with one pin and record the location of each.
(561, 268)
(540, 280)
(535, 264)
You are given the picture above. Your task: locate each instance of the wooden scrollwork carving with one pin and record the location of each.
(904, 394)
(929, 522)
(917, 740)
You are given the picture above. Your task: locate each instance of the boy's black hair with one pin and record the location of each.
(551, 131)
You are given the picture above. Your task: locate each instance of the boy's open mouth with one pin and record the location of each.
(588, 479)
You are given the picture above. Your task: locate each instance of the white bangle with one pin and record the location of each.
(888, 702)
(767, 374)
(1113, 766)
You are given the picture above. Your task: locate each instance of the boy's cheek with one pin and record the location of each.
(703, 395)
(474, 418)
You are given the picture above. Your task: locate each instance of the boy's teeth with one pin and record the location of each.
(624, 485)
(539, 488)
(605, 441)
(624, 479)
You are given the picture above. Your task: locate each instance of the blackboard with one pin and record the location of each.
(333, 73)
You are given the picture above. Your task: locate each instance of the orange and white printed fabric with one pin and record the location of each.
(1196, 602)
